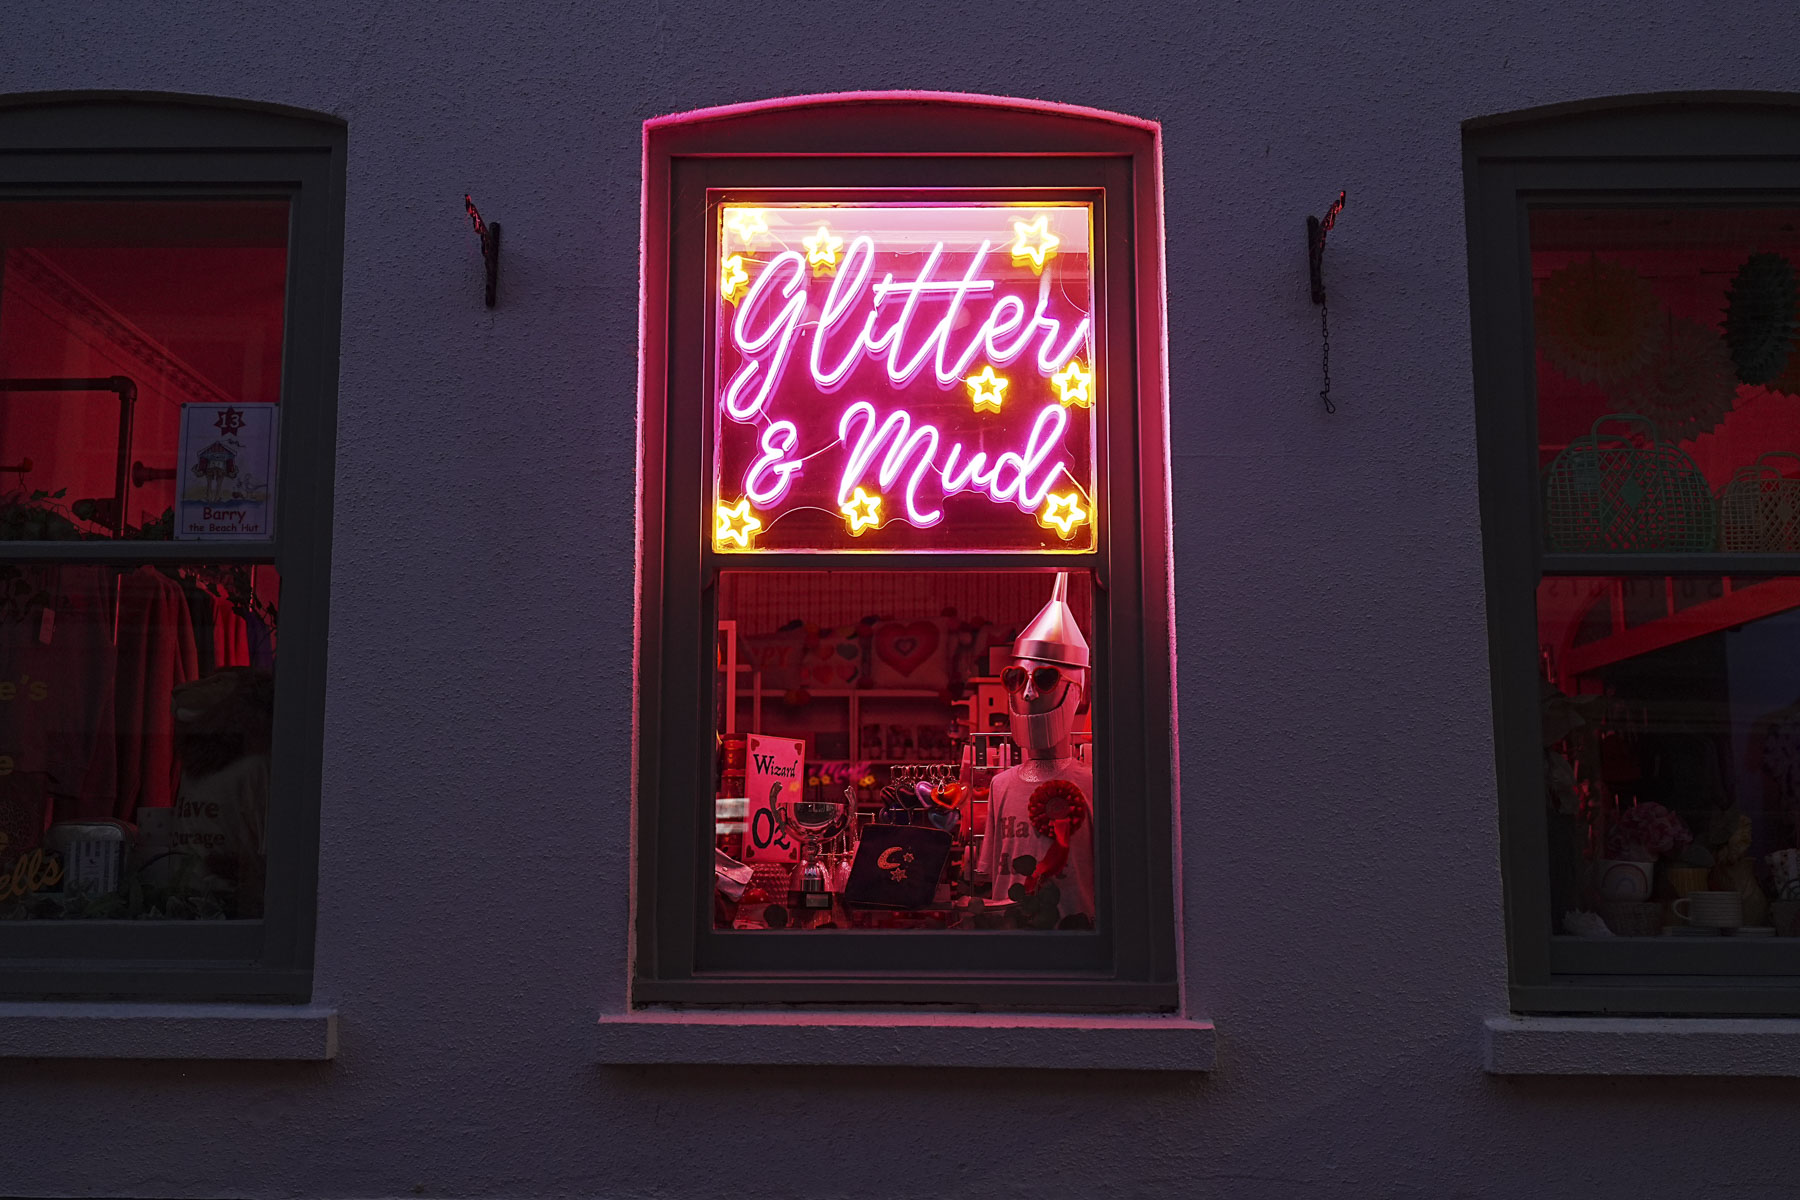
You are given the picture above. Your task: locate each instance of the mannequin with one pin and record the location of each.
(1044, 807)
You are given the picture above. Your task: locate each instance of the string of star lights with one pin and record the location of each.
(822, 251)
(732, 276)
(747, 223)
(1074, 385)
(1064, 514)
(986, 389)
(915, 307)
(1034, 241)
(863, 511)
(737, 523)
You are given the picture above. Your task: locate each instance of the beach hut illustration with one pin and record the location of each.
(216, 464)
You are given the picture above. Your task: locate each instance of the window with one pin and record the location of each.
(168, 315)
(1633, 270)
(904, 625)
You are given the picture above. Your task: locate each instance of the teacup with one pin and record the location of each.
(1716, 910)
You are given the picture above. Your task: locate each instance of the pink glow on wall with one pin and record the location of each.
(920, 353)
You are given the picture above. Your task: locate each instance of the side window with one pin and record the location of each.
(1638, 383)
(905, 638)
(168, 284)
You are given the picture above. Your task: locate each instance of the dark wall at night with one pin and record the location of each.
(1339, 846)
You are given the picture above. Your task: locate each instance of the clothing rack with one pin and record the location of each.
(127, 392)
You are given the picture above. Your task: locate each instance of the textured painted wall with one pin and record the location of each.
(1343, 905)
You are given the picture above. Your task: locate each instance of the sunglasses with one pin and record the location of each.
(1013, 678)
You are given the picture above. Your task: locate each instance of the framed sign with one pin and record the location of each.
(774, 766)
(904, 377)
(225, 472)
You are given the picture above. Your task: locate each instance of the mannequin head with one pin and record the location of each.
(1047, 681)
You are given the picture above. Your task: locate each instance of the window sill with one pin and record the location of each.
(841, 1039)
(1642, 1046)
(260, 1032)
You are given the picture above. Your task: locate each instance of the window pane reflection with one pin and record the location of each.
(1668, 387)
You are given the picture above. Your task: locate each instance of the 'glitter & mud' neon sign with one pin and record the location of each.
(904, 378)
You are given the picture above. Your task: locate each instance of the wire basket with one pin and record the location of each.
(1620, 488)
(1759, 509)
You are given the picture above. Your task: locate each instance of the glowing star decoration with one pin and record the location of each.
(1074, 385)
(737, 523)
(747, 223)
(822, 250)
(986, 389)
(732, 276)
(863, 511)
(1034, 241)
(1064, 514)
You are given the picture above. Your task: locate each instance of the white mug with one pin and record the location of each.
(1716, 910)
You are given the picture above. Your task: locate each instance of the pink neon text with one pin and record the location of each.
(772, 313)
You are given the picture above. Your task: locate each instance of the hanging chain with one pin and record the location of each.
(1325, 334)
(1315, 262)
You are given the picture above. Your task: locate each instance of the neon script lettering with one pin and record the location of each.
(769, 319)
(946, 360)
(1018, 478)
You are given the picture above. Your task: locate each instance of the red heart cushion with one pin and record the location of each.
(906, 648)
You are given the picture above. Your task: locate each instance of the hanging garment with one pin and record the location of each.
(230, 635)
(200, 615)
(156, 654)
(262, 643)
(56, 699)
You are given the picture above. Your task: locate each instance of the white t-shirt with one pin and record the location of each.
(1009, 834)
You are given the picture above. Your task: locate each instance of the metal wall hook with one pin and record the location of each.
(1315, 246)
(1316, 230)
(490, 246)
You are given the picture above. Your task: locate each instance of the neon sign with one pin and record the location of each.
(905, 377)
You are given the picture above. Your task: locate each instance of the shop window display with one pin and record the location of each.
(905, 751)
(140, 376)
(1668, 415)
(904, 630)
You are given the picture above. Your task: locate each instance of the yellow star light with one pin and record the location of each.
(1063, 513)
(746, 223)
(822, 250)
(863, 511)
(737, 523)
(986, 389)
(1074, 385)
(1038, 251)
(732, 276)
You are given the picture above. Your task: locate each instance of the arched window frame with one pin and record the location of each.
(113, 145)
(898, 144)
(1675, 148)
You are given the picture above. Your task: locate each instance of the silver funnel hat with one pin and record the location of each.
(1052, 636)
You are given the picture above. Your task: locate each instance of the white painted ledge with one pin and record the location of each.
(999, 1040)
(261, 1032)
(1642, 1046)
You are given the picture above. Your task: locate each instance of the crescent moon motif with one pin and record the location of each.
(888, 860)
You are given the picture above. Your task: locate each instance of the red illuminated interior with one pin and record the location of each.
(184, 298)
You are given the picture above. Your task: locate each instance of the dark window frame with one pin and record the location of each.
(894, 144)
(1654, 150)
(113, 145)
